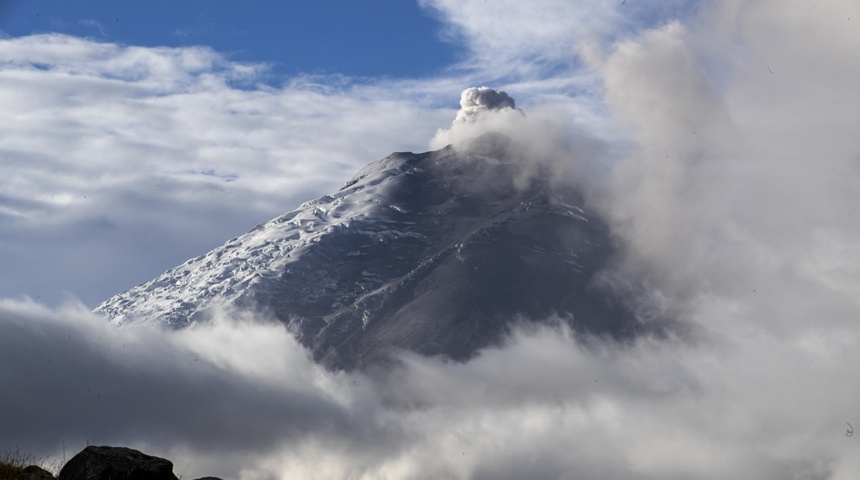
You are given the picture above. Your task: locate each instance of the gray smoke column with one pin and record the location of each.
(482, 110)
(476, 100)
(490, 124)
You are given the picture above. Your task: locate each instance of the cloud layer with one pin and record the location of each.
(239, 398)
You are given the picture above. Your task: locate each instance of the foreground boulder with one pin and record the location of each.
(116, 463)
(34, 472)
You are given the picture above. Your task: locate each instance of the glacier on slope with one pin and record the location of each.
(436, 253)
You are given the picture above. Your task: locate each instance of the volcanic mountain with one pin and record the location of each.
(437, 253)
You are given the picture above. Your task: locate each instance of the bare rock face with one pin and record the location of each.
(116, 463)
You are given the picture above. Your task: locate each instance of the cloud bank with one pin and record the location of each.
(240, 399)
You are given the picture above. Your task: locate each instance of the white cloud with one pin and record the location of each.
(115, 152)
(509, 36)
(738, 179)
(527, 41)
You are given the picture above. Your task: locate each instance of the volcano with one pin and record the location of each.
(437, 253)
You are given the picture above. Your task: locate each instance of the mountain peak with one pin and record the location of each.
(436, 253)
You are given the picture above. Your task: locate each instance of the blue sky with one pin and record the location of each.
(718, 138)
(376, 38)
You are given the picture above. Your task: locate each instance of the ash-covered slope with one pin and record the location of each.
(437, 253)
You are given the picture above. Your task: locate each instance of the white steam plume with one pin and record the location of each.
(475, 101)
(482, 110)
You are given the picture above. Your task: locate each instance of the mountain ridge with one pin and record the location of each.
(436, 253)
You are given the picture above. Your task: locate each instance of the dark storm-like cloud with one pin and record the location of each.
(72, 378)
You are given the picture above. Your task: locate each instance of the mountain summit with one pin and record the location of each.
(437, 253)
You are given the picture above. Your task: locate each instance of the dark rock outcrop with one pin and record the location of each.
(116, 463)
(34, 472)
